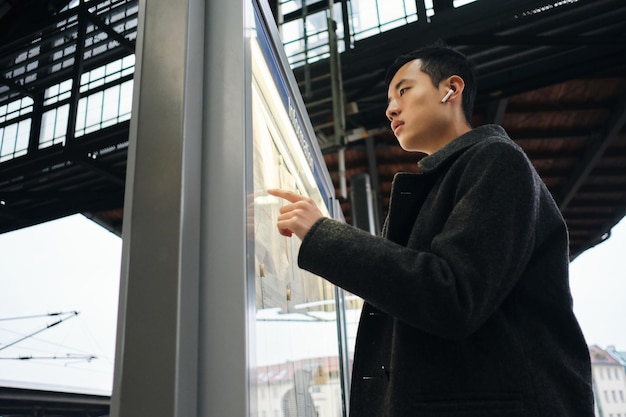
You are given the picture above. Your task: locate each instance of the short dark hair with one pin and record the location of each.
(440, 61)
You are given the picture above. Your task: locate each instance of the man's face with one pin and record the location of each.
(415, 110)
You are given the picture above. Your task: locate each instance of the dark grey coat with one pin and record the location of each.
(468, 310)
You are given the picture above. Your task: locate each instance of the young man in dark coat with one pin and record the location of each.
(467, 309)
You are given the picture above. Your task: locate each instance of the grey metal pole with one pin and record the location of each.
(362, 203)
(157, 343)
(339, 117)
(227, 284)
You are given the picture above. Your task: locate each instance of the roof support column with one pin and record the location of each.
(156, 368)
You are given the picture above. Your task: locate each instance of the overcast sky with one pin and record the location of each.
(73, 264)
(66, 265)
(598, 282)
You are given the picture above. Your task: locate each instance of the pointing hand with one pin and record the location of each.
(298, 216)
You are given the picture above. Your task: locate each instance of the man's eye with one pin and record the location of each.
(402, 91)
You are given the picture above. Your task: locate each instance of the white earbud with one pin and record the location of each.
(447, 96)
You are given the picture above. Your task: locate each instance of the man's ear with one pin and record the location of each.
(456, 84)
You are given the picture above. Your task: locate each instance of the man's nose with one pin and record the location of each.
(392, 110)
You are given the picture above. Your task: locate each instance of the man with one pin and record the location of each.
(467, 307)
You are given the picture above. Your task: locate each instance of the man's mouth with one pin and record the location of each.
(395, 126)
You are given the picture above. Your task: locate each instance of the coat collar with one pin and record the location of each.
(458, 145)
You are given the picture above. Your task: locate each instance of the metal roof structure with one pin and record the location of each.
(552, 73)
(39, 402)
(48, 171)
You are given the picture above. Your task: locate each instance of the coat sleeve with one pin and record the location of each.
(450, 290)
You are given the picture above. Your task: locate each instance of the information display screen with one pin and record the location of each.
(297, 345)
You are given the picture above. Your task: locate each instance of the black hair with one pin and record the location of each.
(440, 61)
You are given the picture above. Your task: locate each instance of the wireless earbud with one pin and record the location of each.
(447, 96)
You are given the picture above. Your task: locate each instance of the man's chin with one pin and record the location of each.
(407, 146)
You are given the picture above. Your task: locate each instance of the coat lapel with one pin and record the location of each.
(408, 192)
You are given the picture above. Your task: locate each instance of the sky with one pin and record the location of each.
(67, 265)
(598, 283)
(72, 265)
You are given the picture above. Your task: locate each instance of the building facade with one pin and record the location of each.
(609, 383)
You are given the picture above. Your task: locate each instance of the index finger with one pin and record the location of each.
(287, 195)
